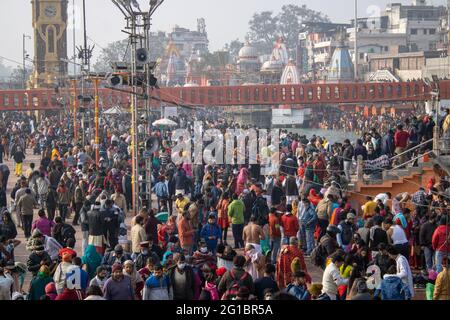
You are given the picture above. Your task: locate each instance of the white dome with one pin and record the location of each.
(248, 54)
(272, 66)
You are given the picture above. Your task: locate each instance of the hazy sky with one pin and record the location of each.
(225, 19)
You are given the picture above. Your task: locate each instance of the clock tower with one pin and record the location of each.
(50, 43)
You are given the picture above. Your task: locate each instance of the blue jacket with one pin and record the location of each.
(393, 288)
(157, 288)
(211, 230)
(161, 190)
(299, 292)
(308, 217)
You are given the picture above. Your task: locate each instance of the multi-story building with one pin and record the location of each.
(316, 47)
(425, 25)
(187, 40)
(182, 44)
(404, 66)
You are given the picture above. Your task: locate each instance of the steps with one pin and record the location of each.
(394, 178)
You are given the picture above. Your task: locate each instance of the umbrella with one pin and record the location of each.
(115, 111)
(164, 123)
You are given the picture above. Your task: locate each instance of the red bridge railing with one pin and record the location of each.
(303, 94)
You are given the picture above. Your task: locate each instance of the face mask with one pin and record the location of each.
(204, 250)
(145, 252)
(181, 266)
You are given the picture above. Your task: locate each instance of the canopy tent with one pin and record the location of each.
(164, 123)
(116, 110)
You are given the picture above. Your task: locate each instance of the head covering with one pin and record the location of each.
(36, 233)
(135, 276)
(116, 267)
(351, 215)
(118, 249)
(221, 271)
(50, 290)
(165, 257)
(92, 259)
(67, 251)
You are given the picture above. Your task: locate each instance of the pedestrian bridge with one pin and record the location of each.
(243, 96)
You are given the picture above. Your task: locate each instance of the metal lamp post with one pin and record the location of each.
(24, 57)
(136, 18)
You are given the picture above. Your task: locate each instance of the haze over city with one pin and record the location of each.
(225, 20)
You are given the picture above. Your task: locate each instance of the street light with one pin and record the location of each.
(128, 7)
(25, 55)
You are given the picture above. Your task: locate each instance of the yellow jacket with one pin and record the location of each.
(442, 286)
(446, 124)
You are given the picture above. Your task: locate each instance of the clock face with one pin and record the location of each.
(50, 11)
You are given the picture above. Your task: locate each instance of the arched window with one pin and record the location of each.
(363, 92)
(336, 92)
(310, 93)
(372, 91)
(274, 94)
(399, 91)
(346, 92)
(380, 91)
(256, 94)
(389, 91)
(266, 94)
(229, 95)
(51, 38)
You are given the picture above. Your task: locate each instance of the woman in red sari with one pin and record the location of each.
(222, 212)
(242, 181)
(319, 168)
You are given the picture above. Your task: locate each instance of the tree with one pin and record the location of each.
(266, 28)
(5, 71)
(121, 51)
(16, 75)
(263, 28)
(115, 51)
(233, 47)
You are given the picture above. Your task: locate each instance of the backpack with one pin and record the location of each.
(233, 288)
(67, 232)
(318, 255)
(261, 211)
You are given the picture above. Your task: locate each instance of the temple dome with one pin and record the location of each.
(272, 66)
(248, 53)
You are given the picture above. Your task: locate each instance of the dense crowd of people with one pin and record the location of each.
(178, 248)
